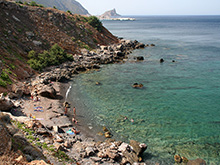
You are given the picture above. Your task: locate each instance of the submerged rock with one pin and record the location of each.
(136, 85)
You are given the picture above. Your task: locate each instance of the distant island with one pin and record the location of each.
(113, 15)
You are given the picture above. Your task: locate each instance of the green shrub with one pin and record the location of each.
(33, 3)
(3, 83)
(55, 56)
(95, 22)
(69, 12)
(12, 66)
(5, 79)
(54, 7)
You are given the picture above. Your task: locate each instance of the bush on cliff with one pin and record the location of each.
(95, 22)
(55, 56)
(5, 79)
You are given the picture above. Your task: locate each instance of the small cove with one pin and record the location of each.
(177, 111)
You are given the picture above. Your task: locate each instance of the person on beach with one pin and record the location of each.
(74, 120)
(75, 130)
(66, 105)
(74, 112)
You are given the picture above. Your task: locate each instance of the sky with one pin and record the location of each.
(153, 7)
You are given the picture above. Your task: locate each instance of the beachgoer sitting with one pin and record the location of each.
(74, 120)
(75, 131)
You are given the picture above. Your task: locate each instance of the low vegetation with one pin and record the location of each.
(95, 22)
(55, 56)
(5, 79)
(32, 3)
(62, 156)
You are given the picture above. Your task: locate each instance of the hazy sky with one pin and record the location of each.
(153, 7)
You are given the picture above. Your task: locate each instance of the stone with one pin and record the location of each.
(197, 162)
(5, 142)
(38, 162)
(140, 58)
(136, 85)
(37, 43)
(57, 129)
(131, 157)
(177, 158)
(67, 144)
(184, 159)
(105, 129)
(58, 146)
(96, 159)
(5, 103)
(112, 154)
(108, 134)
(90, 151)
(102, 154)
(33, 152)
(48, 91)
(123, 147)
(161, 60)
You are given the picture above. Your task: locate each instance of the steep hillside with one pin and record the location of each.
(25, 28)
(64, 5)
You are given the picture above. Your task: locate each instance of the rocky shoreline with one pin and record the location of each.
(46, 116)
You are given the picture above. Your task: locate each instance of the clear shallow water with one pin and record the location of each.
(178, 111)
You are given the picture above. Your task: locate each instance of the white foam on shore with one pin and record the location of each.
(68, 91)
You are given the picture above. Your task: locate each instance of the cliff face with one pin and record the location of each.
(64, 5)
(24, 28)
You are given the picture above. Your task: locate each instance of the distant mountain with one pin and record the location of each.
(109, 14)
(64, 5)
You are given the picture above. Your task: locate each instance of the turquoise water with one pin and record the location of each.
(178, 110)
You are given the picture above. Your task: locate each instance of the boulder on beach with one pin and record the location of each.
(48, 91)
(5, 103)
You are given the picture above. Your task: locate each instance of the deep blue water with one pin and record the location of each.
(178, 111)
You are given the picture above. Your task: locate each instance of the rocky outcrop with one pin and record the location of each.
(109, 14)
(5, 103)
(47, 91)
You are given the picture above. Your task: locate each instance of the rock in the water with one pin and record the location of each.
(177, 158)
(137, 147)
(136, 85)
(197, 161)
(140, 58)
(108, 134)
(161, 60)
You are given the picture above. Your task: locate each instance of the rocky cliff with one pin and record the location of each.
(24, 28)
(64, 5)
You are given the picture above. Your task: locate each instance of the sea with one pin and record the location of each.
(178, 109)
